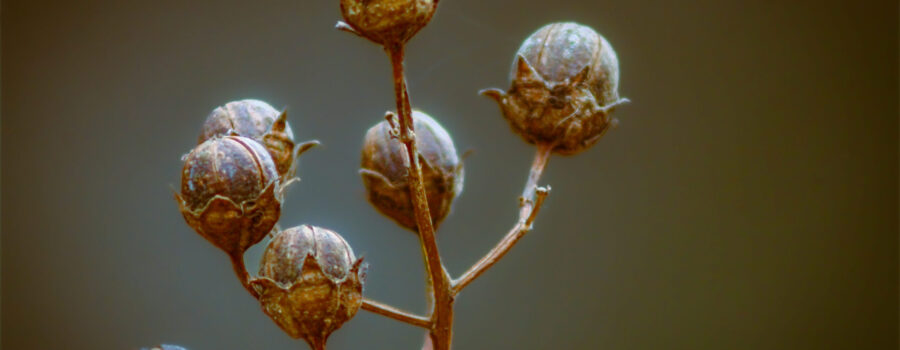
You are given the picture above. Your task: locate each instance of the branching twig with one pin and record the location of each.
(395, 313)
(529, 206)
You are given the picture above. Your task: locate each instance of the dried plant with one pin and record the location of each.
(563, 91)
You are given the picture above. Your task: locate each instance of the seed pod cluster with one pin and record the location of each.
(387, 22)
(565, 82)
(230, 192)
(257, 120)
(384, 169)
(310, 282)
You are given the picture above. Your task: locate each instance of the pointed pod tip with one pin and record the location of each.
(343, 26)
(361, 269)
(524, 70)
(581, 77)
(521, 61)
(493, 93)
(306, 146)
(281, 122)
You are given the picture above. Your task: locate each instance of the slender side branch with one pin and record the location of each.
(529, 206)
(442, 309)
(395, 313)
(237, 262)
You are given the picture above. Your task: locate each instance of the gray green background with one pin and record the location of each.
(748, 199)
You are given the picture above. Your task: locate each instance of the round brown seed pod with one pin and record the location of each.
(565, 81)
(229, 192)
(165, 347)
(386, 22)
(310, 282)
(384, 169)
(257, 120)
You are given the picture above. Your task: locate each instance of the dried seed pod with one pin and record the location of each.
(565, 82)
(386, 22)
(229, 192)
(259, 121)
(385, 166)
(310, 282)
(165, 347)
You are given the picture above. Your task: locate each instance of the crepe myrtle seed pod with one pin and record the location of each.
(565, 82)
(165, 347)
(384, 169)
(230, 192)
(259, 121)
(310, 282)
(386, 22)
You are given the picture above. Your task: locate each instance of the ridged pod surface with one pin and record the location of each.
(229, 192)
(257, 120)
(384, 170)
(310, 282)
(565, 81)
(388, 22)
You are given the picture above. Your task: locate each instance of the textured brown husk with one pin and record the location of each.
(564, 87)
(257, 120)
(387, 22)
(384, 170)
(229, 192)
(309, 283)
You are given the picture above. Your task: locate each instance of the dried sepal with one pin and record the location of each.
(386, 22)
(257, 120)
(310, 282)
(564, 87)
(280, 143)
(384, 169)
(231, 226)
(230, 193)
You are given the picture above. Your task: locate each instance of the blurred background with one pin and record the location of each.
(748, 199)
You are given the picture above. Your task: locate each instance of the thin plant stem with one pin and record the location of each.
(316, 344)
(237, 262)
(395, 313)
(442, 309)
(529, 206)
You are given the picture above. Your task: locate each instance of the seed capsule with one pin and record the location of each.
(386, 22)
(165, 347)
(565, 82)
(259, 121)
(310, 282)
(229, 192)
(385, 165)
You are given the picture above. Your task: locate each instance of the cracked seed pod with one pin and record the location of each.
(565, 82)
(310, 282)
(259, 121)
(386, 22)
(230, 193)
(384, 170)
